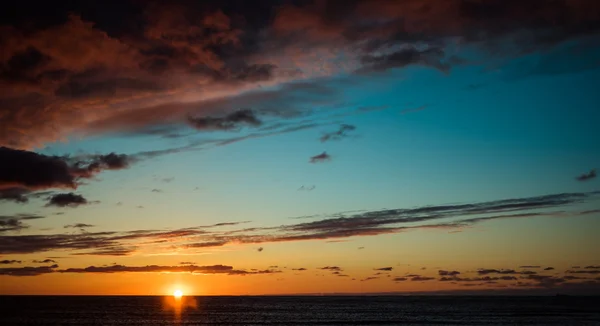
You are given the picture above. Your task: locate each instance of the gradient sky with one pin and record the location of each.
(232, 147)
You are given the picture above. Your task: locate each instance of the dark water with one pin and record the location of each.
(328, 310)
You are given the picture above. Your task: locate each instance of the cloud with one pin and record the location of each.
(28, 271)
(9, 261)
(187, 263)
(593, 272)
(342, 132)
(45, 261)
(431, 57)
(299, 269)
(386, 269)
(422, 278)
(448, 273)
(549, 268)
(529, 266)
(592, 267)
(307, 188)
(23, 171)
(399, 279)
(260, 249)
(18, 195)
(177, 53)
(320, 158)
(231, 121)
(67, 200)
(327, 227)
(587, 176)
(212, 269)
(78, 226)
(15, 222)
(332, 268)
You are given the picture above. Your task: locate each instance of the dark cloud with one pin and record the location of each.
(342, 132)
(422, 278)
(9, 261)
(260, 249)
(67, 200)
(78, 226)
(34, 171)
(307, 188)
(320, 158)
(16, 194)
(28, 271)
(592, 272)
(369, 278)
(299, 269)
(484, 271)
(448, 273)
(23, 171)
(587, 176)
(45, 261)
(231, 121)
(149, 54)
(332, 268)
(549, 268)
(399, 279)
(431, 57)
(15, 222)
(386, 269)
(213, 269)
(592, 267)
(327, 227)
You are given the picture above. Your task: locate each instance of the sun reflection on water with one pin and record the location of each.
(178, 304)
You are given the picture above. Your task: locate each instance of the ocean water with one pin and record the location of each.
(298, 310)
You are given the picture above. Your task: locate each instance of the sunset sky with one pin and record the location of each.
(288, 147)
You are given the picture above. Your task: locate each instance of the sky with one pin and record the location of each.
(300, 147)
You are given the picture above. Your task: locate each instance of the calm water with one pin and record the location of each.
(345, 310)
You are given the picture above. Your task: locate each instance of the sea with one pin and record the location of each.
(298, 310)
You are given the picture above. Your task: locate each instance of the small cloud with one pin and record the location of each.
(369, 278)
(422, 278)
(156, 190)
(320, 158)
(592, 267)
(260, 249)
(187, 263)
(529, 266)
(448, 273)
(67, 200)
(299, 269)
(400, 279)
(342, 132)
(9, 261)
(28, 271)
(45, 261)
(549, 268)
(332, 268)
(385, 269)
(307, 188)
(78, 226)
(587, 176)
(232, 121)
(420, 108)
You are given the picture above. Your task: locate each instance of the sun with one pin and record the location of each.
(178, 294)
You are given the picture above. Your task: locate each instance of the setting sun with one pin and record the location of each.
(178, 294)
